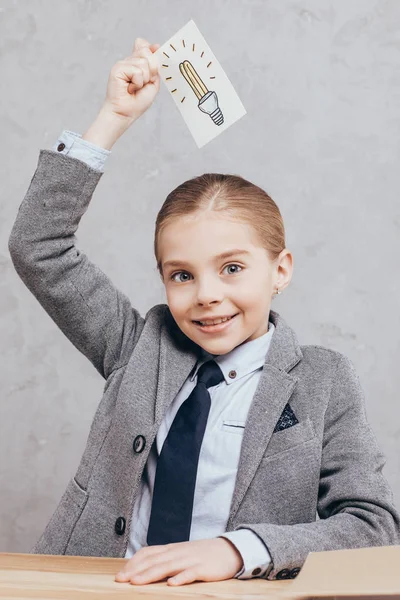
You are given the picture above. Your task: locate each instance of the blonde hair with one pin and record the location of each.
(229, 194)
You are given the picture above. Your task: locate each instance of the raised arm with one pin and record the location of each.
(97, 318)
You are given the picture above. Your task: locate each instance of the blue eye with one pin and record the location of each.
(178, 273)
(234, 265)
(186, 273)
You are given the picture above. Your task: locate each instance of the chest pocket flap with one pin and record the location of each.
(286, 439)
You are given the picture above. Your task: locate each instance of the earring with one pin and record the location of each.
(277, 292)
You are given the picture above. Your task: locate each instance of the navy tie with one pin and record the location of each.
(175, 481)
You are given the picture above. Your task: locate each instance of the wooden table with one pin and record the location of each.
(71, 577)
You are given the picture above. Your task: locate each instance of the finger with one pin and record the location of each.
(148, 561)
(155, 47)
(134, 77)
(122, 576)
(162, 563)
(143, 64)
(152, 60)
(140, 43)
(140, 63)
(134, 563)
(149, 550)
(187, 576)
(157, 572)
(156, 83)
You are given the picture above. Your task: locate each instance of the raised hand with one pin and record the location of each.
(134, 82)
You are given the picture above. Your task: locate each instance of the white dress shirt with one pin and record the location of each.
(221, 446)
(219, 455)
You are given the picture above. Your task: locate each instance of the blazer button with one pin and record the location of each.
(60, 147)
(294, 572)
(139, 444)
(284, 574)
(120, 524)
(256, 571)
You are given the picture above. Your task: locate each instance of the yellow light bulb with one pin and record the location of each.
(193, 79)
(208, 101)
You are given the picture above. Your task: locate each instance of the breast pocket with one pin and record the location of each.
(235, 427)
(289, 438)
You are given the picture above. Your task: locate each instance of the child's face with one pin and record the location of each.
(202, 286)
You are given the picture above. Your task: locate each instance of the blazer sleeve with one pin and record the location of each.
(355, 502)
(93, 314)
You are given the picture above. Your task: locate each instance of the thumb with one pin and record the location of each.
(154, 47)
(141, 43)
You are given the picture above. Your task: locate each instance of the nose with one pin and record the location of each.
(208, 292)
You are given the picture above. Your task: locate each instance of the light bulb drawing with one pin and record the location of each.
(198, 85)
(208, 100)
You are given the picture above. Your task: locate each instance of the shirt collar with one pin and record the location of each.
(242, 360)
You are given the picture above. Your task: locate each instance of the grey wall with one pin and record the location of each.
(320, 80)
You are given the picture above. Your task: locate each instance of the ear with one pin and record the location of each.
(284, 269)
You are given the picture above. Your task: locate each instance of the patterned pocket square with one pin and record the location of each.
(287, 419)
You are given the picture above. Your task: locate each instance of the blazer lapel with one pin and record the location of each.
(178, 356)
(275, 387)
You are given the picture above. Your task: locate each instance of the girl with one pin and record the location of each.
(221, 447)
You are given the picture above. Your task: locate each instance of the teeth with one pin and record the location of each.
(215, 322)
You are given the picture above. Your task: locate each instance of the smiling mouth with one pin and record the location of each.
(220, 323)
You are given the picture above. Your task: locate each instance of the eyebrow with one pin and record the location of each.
(227, 254)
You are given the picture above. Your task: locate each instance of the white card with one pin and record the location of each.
(199, 86)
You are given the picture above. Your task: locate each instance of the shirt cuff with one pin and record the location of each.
(74, 146)
(256, 558)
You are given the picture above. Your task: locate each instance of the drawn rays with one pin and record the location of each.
(166, 66)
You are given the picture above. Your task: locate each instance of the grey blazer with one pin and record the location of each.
(314, 486)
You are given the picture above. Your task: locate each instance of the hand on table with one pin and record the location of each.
(184, 562)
